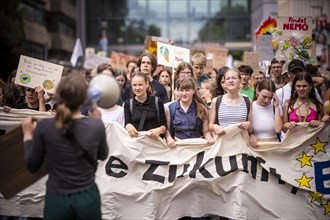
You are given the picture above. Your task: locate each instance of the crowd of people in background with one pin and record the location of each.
(286, 93)
(188, 102)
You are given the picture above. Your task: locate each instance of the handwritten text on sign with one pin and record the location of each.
(33, 72)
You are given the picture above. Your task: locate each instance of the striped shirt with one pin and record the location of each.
(232, 114)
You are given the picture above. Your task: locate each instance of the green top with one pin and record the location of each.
(249, 91)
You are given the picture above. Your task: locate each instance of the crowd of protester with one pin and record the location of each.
(188, 102)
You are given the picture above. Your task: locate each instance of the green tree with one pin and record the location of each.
(11, 36)
(153, 30)
(230, 23)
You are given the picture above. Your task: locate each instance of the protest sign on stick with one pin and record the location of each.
(171, 56)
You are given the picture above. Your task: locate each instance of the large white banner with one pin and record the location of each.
(143, 179)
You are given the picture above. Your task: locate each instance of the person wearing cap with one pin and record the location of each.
(275, 70)
(284, 93)
(246, 72)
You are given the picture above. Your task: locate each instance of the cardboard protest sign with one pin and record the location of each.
(219, 56)
(32, 72)
(91, 62)
(171, 56)
(252, 59)
(119, 60)
(265, 48)
(293, 38)
(151, 43)
(14, 175)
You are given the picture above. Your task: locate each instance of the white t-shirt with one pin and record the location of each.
(263, 121)
(115, 113)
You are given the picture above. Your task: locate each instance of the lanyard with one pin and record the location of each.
(307, 111)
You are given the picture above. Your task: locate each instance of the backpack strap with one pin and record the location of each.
(217, 105)
(157, 108)
(172, 108)
(247, 102)
(131, 105)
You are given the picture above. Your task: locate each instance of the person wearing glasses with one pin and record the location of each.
(275, 71)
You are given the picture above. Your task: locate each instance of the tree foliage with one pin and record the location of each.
(11, 36)
(230, 23)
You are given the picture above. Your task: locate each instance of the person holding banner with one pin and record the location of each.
(231, 108)
(303, 106)
(144, 112)
(188, 116)
(266, 118)
(71, 154)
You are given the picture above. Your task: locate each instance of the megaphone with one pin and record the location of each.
(103, 90)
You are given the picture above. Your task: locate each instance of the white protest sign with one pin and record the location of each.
(32, 72)
(171, 56)
(92, 61)
(265, 48)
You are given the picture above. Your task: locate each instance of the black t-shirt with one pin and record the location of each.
(151, 120)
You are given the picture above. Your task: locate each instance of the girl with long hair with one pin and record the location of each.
(71, 144)
(188, 116)
(231, 108)
(144, 111)
(303, 105)
(266, 118)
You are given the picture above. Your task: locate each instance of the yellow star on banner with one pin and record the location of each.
(319, 146)
(305, 160)
(316, 196)
(326, 207)
(304, 181)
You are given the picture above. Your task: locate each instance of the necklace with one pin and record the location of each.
(307, 111)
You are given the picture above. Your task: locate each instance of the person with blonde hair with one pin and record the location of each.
(198, 62)
(266, 118)
(207, 91)
(231, 108)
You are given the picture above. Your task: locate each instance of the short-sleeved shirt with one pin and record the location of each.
(151, 120)
(185, 124)
(249, 92)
